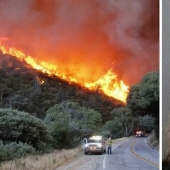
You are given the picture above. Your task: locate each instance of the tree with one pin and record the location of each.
(113, 128)
(19, 102)
(16, 126)
(77, 122)
(143, 98)
(125, 117)
(4, 91)
(146, 122)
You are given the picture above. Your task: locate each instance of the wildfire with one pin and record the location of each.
(39, 80)
(107, 83)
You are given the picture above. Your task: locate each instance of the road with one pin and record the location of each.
(128, 154)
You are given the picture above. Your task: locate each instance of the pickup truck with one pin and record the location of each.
(94, 144)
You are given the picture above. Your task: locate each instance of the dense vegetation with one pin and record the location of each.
(143, 98)
(26, 89)
(39, 113)
(69, 122)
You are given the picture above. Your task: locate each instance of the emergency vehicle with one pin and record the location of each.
(94, 144)
(140, 133)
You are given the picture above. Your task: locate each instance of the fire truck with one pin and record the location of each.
(140, 133)
(94, 144)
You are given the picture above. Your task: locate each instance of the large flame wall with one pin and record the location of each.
(85, 38)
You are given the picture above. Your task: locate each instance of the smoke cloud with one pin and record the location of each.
(86, 37)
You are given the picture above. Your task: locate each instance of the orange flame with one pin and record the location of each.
(107, 83)
(39, 80)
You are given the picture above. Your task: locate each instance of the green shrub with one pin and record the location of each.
(16, 126)
(14, 150)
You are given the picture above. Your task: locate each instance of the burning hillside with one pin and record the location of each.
(30, 90)
(107, 45)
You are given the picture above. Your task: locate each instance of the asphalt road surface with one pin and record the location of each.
(128, 154)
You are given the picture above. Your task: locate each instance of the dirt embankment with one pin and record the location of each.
(152, 141)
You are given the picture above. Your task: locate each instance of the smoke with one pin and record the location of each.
(85, 38)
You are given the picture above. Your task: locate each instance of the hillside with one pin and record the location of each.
(26, 89)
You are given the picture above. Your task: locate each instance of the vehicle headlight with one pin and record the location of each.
(86, 145)
(99, 145)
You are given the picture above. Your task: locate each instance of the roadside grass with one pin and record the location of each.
(41, 162)
(46, 161)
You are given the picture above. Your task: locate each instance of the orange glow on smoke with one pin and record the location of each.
(106, 83)
(101, 45)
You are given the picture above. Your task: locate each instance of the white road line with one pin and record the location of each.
(104, 162)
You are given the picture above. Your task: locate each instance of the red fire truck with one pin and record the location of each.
(140, 133)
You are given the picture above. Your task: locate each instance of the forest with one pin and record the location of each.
(40, 113)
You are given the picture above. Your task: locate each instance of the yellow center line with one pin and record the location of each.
(142, 157)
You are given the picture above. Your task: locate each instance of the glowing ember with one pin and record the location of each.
(40, 81)
(107, 83)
